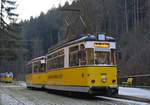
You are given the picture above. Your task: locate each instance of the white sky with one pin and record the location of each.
(27, 8)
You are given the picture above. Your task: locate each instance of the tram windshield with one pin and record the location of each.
(101, 57)
(105, 57)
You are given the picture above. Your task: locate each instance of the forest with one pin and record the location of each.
(126, 20)
(10, 37)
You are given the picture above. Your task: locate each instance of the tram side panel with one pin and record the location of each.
(37, 80)
(82, 79)
(67, 79)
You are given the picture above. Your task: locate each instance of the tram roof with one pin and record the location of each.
(39, 58)
(35, 59)
(88, 37)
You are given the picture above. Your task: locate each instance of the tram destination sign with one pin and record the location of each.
(101, 37)
(101, 45)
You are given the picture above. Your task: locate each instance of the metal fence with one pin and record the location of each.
(138, 80)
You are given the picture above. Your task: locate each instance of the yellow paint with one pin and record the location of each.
(76, 76)
(82, 76)
(6, 79)
(37, 78)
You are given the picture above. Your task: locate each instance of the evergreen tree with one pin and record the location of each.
(10, 44)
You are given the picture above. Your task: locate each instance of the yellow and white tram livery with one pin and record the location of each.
(6, 77)
(87, 64)
(36, 73)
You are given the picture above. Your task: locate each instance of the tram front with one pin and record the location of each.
(101, 66)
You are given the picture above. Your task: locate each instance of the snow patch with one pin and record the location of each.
(128, 102)
(136, 92)
(22, 84)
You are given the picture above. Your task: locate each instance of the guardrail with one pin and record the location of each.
(142, 81)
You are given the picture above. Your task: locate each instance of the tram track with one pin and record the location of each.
(9, 98)
(12, 98)
(131, 100)
(19, 102)
(118, 100)
(23, 96)
(28, 97)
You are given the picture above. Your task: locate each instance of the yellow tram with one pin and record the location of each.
(36, 72)
(6, 77)
(87, 64)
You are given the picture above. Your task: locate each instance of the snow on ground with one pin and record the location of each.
(8, 100)
(127, 91)
(128, 102)
(22, 84)
(136, 92)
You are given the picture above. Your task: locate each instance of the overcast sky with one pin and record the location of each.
(27, 8)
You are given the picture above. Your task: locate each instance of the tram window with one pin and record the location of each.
(53, 64)
(75, 48)
(90, 56)
(113, 56)
(73, 56)
(54, 55)
(73, 59)
(29, 69)
(82, 55)
(61, 52)
(102, 57)
(56, 60)
(61, 62)
(36, 67)
(42, 68)
(50, 64)
(50, 56)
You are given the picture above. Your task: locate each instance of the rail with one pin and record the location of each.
(142, 81)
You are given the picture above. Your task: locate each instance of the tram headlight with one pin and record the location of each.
(103, 78)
